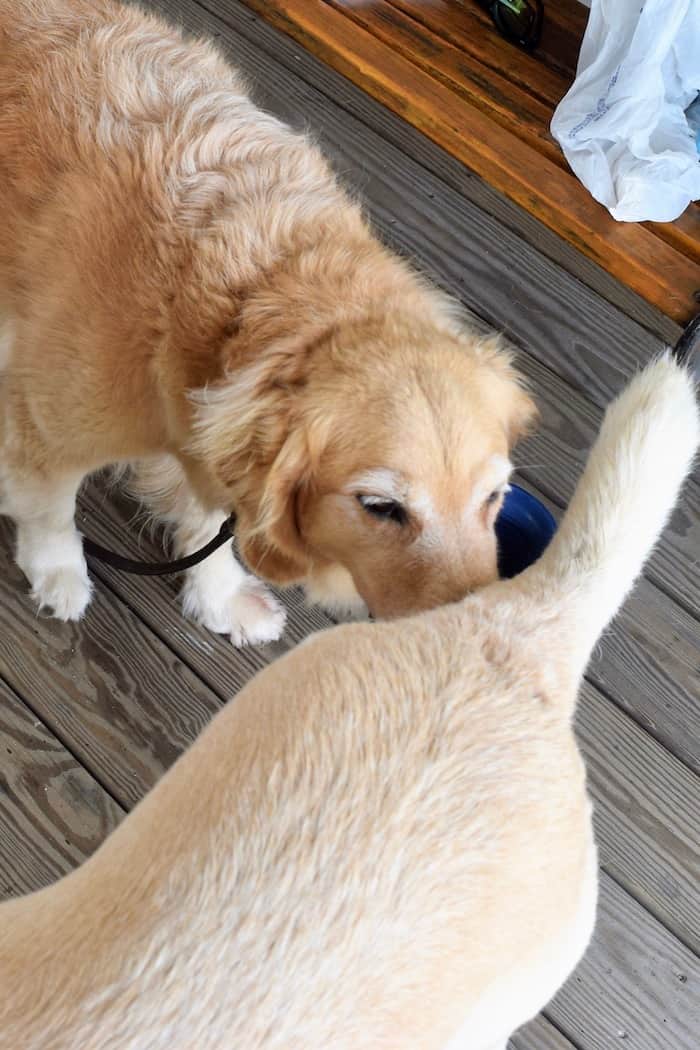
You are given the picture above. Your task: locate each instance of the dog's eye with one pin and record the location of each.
(493, 497)
(386, 509)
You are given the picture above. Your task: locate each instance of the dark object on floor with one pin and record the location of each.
(519, 21)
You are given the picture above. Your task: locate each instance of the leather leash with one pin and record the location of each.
(165, 568)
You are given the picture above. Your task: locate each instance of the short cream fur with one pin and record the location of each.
(384, 842)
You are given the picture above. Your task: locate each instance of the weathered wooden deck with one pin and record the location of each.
(444, 67)
(91, 715)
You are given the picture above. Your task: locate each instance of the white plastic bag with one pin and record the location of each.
(622, 125)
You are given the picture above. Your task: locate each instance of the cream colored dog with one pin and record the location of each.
(384, 842)
(185, 288)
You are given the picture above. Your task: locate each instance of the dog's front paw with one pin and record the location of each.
(249, 613)
(256, 615)
(65, 592)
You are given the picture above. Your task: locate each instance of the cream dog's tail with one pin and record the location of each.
(632, 479)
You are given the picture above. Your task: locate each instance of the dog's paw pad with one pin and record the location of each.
(63, 592)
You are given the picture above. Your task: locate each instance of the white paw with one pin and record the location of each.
(247, 612)
(64, 591)
(257, 616)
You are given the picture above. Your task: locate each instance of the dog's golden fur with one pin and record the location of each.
(184, 287)
(384, 842)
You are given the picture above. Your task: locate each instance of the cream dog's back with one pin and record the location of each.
(360, 861)
(385, 841)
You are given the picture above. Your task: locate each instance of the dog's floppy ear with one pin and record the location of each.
(251, 430)
(271, 544)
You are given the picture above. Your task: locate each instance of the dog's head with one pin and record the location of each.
(368, 463)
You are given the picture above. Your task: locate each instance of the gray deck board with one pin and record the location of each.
(123, 703)
(53, 814)
(646, 814)
(92, 714)
(636, 986)
(539, 1035)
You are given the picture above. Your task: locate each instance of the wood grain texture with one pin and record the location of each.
(346, 99)
(653, 268)
(494, 85)
(121, 701)
(516, 108)
(637, 986)
(646, 815)
(562, 32)
(429, 159)
(539, 1035)
(473, 33)
(53, 814)
(649, 661)
(546, 74)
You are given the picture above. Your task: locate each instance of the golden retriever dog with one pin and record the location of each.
(385, 841)
(185, 288)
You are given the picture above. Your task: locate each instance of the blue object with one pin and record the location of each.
(524, 527)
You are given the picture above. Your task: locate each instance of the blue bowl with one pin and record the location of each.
(524, 527)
